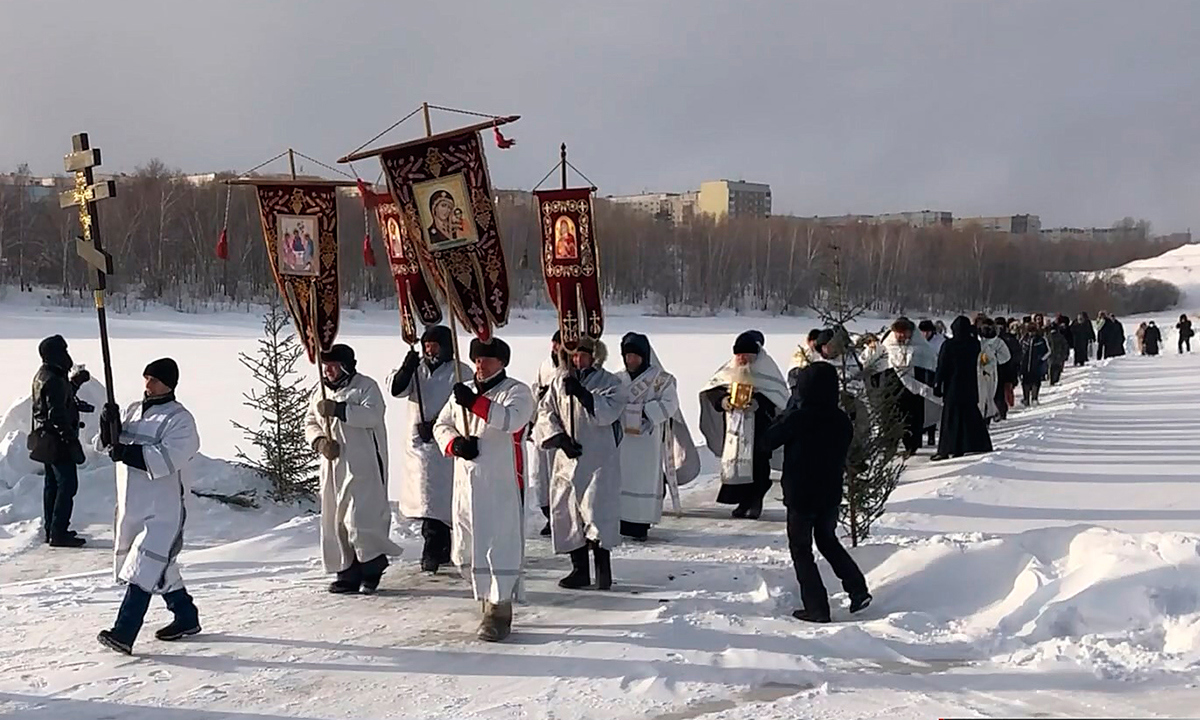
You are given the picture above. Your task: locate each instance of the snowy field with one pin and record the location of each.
(1057, 577)
(1180, 267)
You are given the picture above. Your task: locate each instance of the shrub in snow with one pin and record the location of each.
(281, 399)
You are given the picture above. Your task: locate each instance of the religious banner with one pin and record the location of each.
(299, 222)
(570, 262)
(444, 195)
(413, 291)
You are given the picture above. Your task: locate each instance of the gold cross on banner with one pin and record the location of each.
(84, 196)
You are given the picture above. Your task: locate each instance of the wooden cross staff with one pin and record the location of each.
(85, 195)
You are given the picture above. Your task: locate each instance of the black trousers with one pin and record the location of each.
(437, 540)
(803, 528)
(912, 407)
(1185, 343)
(1056, 371)
(58, 497)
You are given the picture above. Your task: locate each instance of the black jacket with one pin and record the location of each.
(816, 437)
(56, 411)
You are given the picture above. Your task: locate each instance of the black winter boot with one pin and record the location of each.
(129, 621)
(603, 567)
(580, 576)
(372, 573)
(348, 580)
(187, 618)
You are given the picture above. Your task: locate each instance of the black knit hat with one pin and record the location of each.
(494, 348)
(440, 334)
(749, 342)
(163, 370)
(636, 343)
(342, 355)
(557, 337)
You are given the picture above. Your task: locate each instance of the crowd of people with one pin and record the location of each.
(598, 451)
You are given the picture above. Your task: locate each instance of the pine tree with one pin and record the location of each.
(283, 457)
(874, 463)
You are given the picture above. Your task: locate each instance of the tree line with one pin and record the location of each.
(162, 231)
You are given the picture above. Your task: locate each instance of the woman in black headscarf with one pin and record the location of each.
(957, 383)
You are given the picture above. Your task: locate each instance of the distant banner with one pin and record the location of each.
(413, 291)
(442, 188)
(299, 224)
(570, 262)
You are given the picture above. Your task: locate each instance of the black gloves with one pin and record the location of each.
(411, 360)
(575, 389)
(110, 419)
(464, 395)
(80, 377)
(425, 431)
(404, 375)
(466, 448)
(131, 455)
(332, 409)
(563, 442)
(84, 407)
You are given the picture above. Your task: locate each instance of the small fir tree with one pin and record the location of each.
(281, 399)
(875, 462)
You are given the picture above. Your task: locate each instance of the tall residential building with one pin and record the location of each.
(734, 199)
(1015, 224)
(917, 218)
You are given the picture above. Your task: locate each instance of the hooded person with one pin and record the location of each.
(347, 428)
(427, 486)
(993, 355)
(1083, 336)
(963, 430)
(541, 461)
(1152, 339)
(816, 435)
(481, 427)
(745, 394)
(647, 448)
(54, 438)
(581, 416)
(912, 364)
(152, 455)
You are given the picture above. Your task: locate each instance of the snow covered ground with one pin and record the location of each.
(1059, 576)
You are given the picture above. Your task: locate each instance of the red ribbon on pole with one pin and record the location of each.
(223, 245)
(368, 251)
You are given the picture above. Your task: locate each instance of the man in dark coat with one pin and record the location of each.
(1111, 338)
(1082, 337)
(1152, 339)
(957, 383)
(816, 437)
(1008, 371)
(54, 438)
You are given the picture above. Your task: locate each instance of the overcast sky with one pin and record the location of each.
(1081, 112)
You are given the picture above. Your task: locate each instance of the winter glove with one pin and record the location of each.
(563, 442)
(84, 407)
(131, 455)
(425, 431)
(411, 360)
(575, 389)
(328, 448)
(110, 418)
(332, 409)
(726, 406)
(464, 395)
(80, 377)
(466, 448)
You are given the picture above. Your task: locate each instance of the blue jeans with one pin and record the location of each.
(133, 609)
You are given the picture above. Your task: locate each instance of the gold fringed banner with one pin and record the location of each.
(414, 292)
(571, 262)
(299, 223)
(442, 188)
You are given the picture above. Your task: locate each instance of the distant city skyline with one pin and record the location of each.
(1079, 111)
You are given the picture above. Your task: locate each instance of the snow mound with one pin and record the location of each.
(1120, 604)
(209, 521)
(1180, 267)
